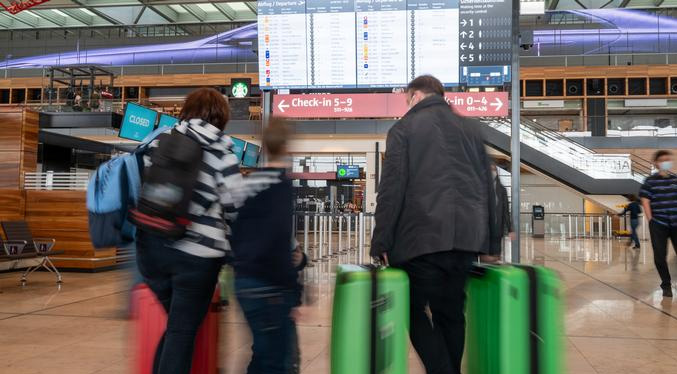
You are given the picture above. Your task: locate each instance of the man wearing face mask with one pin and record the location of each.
(659, 200)
(435, 215)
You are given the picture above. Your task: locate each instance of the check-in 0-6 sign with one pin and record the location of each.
(470, 104)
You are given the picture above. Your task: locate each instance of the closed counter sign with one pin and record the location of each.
(137, 122)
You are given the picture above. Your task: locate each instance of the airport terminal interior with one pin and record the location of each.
(584, 91)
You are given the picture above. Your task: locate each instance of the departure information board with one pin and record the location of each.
(317, 44)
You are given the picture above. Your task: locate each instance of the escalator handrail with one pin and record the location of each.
(639, 166)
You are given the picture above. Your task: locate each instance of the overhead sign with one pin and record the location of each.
(384, 105)
(347, 172)
(383, 43)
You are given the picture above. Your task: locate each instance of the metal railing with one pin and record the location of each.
(342, 236)
(575, 155)
(582, 225)
(56, 181)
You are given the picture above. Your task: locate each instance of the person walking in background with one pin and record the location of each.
(435, 213)
(265, 276)
(183, 273)
(659, 200)
(503, 220)
(634, 209)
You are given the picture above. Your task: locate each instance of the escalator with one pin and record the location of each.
(555, 156)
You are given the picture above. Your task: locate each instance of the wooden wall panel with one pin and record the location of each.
(11, 205)
(149, 80)
(62, 215)
(10, 147)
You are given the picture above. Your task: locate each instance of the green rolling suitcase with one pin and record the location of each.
(366, 297)
(514, 321)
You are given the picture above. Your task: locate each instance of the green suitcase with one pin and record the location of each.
(365, 297)
(514, 321)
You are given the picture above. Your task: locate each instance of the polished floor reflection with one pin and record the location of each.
(616, 320)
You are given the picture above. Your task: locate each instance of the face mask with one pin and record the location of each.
(665, 165)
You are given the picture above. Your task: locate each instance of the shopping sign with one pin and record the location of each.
(16, 6)
(383, 105)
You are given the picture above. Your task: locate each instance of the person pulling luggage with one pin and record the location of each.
(435, 213)
(180, 257)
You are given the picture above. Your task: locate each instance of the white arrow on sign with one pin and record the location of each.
(281, 106)
(462, 46)
(463, 58)
(464, 22)
(497, 104)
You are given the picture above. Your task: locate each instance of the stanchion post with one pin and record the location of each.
(361, 236)
(306, 227)
(340, 233)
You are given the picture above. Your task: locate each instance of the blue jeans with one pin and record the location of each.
(267, 310)
(634, 223)
(184, 284)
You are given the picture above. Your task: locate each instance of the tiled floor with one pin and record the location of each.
(616, 320)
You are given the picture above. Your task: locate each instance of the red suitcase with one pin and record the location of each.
(150, 322)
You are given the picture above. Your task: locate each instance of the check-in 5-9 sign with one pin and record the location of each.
(470, 104)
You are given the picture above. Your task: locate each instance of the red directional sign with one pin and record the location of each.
(470, 104)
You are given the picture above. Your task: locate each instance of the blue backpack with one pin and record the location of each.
(113, 188)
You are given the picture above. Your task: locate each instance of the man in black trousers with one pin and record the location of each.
(435, 215)
(659, 200)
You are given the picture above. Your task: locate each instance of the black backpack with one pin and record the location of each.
(168, 186)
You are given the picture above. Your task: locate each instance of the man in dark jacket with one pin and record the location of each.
(503, 220)
(435, 214)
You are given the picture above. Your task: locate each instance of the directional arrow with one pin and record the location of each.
(282, 107)
(464, 22)
(497, 104)
(463, 34)
(463, 58)
(462, 46)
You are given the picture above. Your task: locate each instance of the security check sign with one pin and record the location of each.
(383, 105)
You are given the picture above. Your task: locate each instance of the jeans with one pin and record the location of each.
(634, 223)
(267, 310)
(184, 284)
(659, 242)
(437, 286)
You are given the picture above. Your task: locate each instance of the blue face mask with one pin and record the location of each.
(665, 166)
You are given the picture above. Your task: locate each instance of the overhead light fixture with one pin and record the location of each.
(87, 11)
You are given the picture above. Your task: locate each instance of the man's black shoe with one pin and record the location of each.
(667, 291)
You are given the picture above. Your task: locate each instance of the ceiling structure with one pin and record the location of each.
(71, 14)
(99, 13)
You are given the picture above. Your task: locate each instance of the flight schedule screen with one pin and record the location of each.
(382, 43)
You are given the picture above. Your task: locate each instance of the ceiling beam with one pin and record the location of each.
(195, 11)
(252, 7)
(79, 16)
(606, 4)
(226, 10)
(580, 4)
(50, 16)
(164, 11)
(624, 3)
(138, 16)
(658, 3)
(5, 22)
(22, 18)
(553, 5)
(103, 16)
